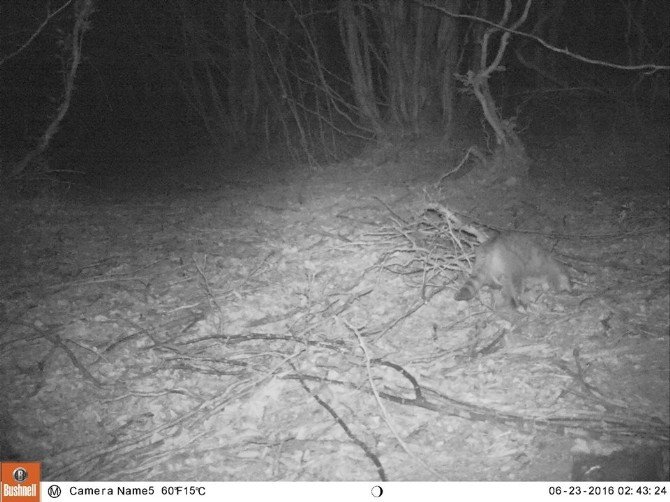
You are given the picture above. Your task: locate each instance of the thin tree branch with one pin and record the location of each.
(34, 35)
(647, 66)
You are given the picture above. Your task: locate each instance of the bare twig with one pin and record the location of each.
(473, 150)
(373, 387)
(33, 36)
(453, 219)
(56, 340)
(646, 66)
(368, 453)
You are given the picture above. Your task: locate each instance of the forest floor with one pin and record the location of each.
(302, 326)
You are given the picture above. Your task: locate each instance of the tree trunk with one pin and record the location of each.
(408, 66)
(510, 158)
(83, 11)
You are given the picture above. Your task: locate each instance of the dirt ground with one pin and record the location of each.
(302, 326)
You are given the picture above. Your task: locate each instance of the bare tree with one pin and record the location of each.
(532, 55)
(510, 157)
(402, 58)
(82, 10)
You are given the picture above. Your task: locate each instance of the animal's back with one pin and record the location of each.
(505, 260)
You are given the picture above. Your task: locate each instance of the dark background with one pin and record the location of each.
(135, 86)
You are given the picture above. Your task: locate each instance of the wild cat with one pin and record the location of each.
(505, 261)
